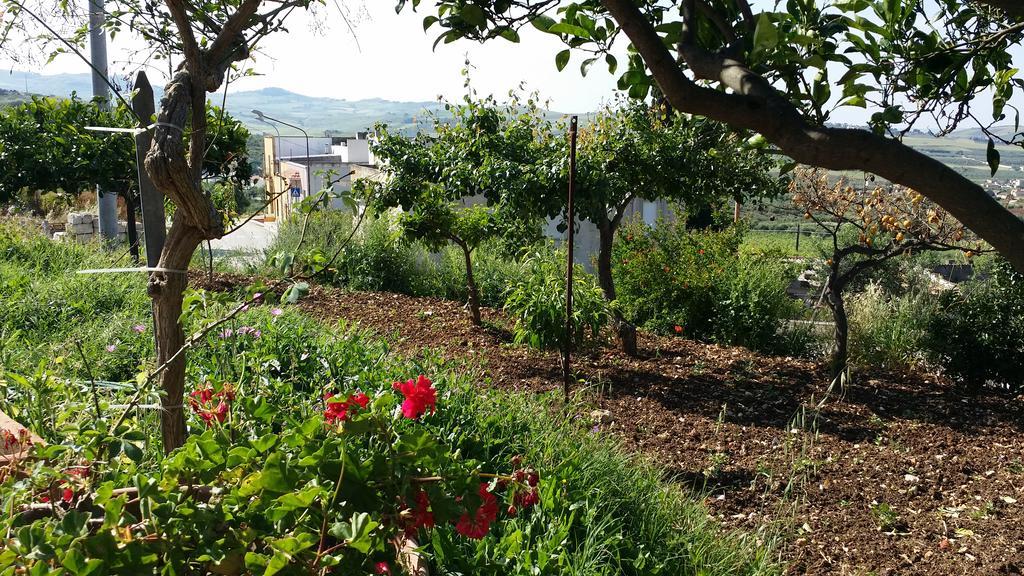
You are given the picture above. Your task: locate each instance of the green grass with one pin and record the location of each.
(810, 245)
(603, 511)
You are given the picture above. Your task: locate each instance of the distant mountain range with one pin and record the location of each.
(315, 114)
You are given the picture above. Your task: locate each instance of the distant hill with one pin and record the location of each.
(315, 114)
(12, 97)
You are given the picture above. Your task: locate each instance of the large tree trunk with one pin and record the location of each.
(626, 331)
(471, 287)
(753, 104)
(167, 289)
(834, 298)
(176, 173)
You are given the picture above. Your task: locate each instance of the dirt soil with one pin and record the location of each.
(899, 475)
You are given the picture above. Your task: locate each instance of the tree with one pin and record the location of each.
(772, 73)
(868, 228)
(202, 43)
(635, 151)
(455, 184)
(45, 146)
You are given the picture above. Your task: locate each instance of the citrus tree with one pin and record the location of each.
(783, 70)
(45, 146)
(638, 152)
(455, 184)
(883, 223)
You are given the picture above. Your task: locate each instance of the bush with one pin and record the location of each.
(537, 303)
(378, 258)
(977, 335)
(672, 280)
(887, 330)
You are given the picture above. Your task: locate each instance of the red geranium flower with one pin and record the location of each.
(201, 399)
(339, 411)
(419, 396)
(678, 329)
(477, 525)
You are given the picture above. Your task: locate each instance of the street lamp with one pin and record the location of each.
(268, 119)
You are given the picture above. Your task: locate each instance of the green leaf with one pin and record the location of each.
(428, 22)
(543, 23)
(613, 64)
(569, 30)
(474, 15)
(766, 36)
(561, 59)
(992, 156)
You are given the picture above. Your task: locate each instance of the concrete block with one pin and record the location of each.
(82, 228)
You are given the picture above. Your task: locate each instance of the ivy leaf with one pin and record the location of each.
(992, 156)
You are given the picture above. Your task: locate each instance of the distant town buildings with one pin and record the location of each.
(293, 172)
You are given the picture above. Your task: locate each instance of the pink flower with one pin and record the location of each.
(111, 347)
(419, 396)
(382, 568)
(257, 296)
(139, 328)
(276, 311)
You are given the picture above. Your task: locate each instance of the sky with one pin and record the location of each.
(390, 57)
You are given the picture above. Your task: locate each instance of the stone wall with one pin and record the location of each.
(84, 227)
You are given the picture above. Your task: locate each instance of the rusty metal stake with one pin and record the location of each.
(570, 216)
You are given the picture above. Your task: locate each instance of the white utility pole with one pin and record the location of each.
(98, 54)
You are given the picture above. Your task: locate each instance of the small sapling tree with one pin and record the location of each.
(454, 184)
(884, 223)
(636, 151)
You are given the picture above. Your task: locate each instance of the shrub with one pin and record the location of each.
(537, 302)
(977, 334)
(887, 330)
(697, 283)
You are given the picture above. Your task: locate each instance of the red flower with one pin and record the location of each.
(527, 498)
(200, 400)
(419, 395)
(701, 251)
(339, 411)
(359, 399)
(678, 329)
(381, 568)
(477, 525)
(67, 494)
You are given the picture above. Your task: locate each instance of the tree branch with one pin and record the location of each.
(755, 105)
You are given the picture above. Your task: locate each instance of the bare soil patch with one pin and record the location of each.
(902, 475)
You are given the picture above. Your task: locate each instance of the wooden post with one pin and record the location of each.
(133, 233)
(153, 219)
(567, 345)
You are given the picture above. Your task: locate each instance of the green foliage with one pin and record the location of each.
(668, 276)
(634, 150)
(279, 471)
(537, 303)
(977, 334)
(887, 329)
(44, 146)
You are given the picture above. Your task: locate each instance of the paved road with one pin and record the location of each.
(248, 242)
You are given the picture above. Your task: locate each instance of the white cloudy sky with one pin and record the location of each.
(390, 57)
